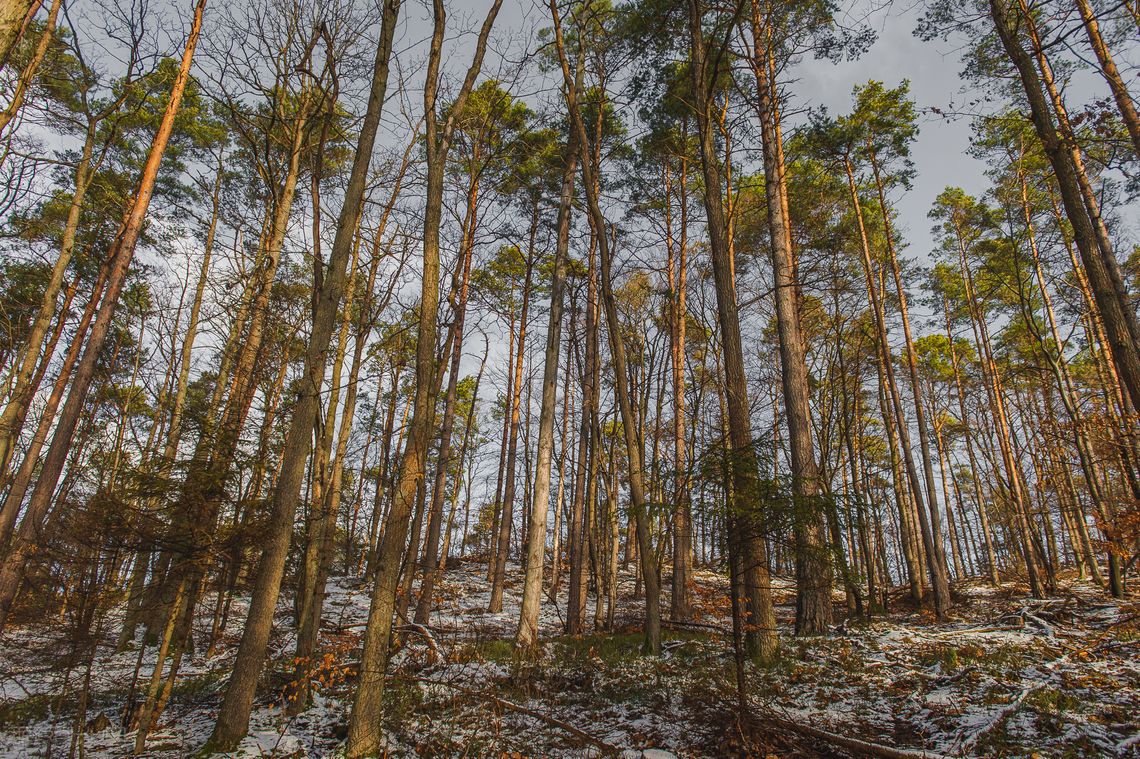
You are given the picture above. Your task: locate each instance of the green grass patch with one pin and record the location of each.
(28, 710)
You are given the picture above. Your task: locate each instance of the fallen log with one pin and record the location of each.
(856, 745)
(512, 706)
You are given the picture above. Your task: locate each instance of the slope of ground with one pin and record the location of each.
(1006, 677)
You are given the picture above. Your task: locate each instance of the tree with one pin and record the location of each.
(364, 725)
(527, 635)
(233, 717)
(601, 234)
(118, 262)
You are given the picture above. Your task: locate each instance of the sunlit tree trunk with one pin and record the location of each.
(28, 73)
(364, 730)
(1110, 73)
(1119, 320)
(118, 263)
(15, 15)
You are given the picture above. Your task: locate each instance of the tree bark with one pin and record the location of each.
(935, 562)
(364, 732)
(233, 716)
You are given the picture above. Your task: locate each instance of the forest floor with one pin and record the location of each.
(1005, 677)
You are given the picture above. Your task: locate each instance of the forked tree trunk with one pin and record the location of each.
(364, 728)
(233, 716)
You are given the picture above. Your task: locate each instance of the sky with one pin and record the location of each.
(940, 153)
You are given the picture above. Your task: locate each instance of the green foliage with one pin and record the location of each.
(21, 289)
(493, 141)
(500, 281)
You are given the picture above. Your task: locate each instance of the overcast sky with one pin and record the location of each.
(940, 153)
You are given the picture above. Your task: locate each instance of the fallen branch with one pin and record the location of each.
(1045, 626)
(974, 631)
(575, 731)
(859, 746)
(941, 679)
(424, 633)
(998, 719)
(682, 625)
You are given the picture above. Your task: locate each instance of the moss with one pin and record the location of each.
(25, 711)
(197, 689)
(945, 656)
(500, 651)
(1003, 660)
(1051, 706)
(609, 648)
(401, 700)
(998, 743)
(1126, 633)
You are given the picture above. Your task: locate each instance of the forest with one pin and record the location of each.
(569, 378)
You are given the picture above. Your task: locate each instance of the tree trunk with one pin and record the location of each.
(506, 517)
(583, 484)
(15, 16)
(992, 382)
(527, 634)
(28, 75)
(1119, 320)
(931, 501)
(1110, 73)
(233, 716)
(813, 561)
(118, 262)
(430, 566)
(23, 388)
(617, 349)
(23, 477)
(680, 603)
(935, 563)
(364, 729)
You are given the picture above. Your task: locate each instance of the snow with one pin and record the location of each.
(1005, 676)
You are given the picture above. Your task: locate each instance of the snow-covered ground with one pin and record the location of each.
(1006, 677)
